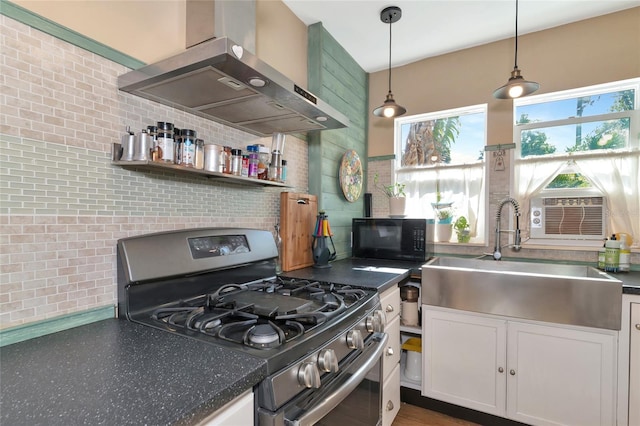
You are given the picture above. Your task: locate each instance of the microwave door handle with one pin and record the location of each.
(315, 414)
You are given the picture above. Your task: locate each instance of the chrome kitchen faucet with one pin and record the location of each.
(497, 255)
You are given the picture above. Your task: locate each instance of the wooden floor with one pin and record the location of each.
(411, 415)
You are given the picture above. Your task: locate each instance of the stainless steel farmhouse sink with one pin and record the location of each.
(564, 294)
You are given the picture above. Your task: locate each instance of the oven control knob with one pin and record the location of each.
(355, 340)
(375, 323)
(308, 375)
(328, 361)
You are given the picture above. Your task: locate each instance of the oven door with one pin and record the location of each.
(351, 396)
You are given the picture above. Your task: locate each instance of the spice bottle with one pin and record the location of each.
(245, 165)
(153, 133)
(165, 142)
(199, 158)
(225, 159)
(177, 146)
(188, 157)
(263, 162)
(236, 162)
(253, 161)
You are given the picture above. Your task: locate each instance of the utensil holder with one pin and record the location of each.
(322, 236)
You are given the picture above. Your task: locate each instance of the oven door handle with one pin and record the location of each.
(316, 413)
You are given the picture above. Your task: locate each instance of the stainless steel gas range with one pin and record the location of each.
(322, 341)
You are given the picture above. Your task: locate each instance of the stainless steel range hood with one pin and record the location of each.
(221, 81)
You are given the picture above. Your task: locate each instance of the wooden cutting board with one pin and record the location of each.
(298, 214)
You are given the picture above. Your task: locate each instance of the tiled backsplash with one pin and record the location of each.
(63, 205)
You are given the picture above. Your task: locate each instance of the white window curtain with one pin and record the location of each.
(615, 174)
(461, 185)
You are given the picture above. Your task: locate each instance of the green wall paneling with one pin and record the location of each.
(337, 79)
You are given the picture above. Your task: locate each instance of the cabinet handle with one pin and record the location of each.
(389, 405)
(512, 372)
(637, 326)
(389, 308)
(389, 351)
(500, 370)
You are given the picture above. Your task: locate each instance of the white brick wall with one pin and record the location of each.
(63, 205)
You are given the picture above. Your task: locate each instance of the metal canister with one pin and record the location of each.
(212, 157)
(128, 146)
(143, 146)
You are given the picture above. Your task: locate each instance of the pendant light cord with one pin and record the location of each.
(515, 60)
(390, 23)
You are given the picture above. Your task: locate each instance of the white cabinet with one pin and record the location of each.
(560, 376)
(634, 366)
(236, 412)
(390, 301)
(464, 358)
(536, 373)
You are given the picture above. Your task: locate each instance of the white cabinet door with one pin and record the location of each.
(390, 301)
(391, 354)
(559, 376)
(634, 366)
(235, 413)
(464, 360)
(391, 396)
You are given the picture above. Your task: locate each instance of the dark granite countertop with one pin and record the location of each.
(630, 281)
(367, 273)
(118, 372)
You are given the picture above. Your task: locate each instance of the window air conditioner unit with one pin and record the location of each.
(568, 218)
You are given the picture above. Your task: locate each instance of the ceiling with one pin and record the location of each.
(434, 27)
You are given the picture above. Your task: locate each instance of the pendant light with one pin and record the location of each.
(517, 86)
(390, 108)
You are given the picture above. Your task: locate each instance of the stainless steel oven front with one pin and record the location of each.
(350, 394)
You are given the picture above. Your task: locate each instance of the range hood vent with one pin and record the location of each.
(221, 81)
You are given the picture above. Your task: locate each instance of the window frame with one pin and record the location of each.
(606, 154)
(481, 238)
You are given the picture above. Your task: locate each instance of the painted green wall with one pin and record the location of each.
(336, 78)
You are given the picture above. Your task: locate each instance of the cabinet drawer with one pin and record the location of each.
(391, 355)
(390, 302)
(391, 397)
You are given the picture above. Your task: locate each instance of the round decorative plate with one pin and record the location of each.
(351, 176)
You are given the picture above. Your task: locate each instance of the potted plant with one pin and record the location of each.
(445, 215)
(395, 193)
(463, 232)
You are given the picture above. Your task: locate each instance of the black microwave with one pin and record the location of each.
(394, 239)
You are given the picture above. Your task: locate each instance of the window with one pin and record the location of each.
(575, 147)
(440, 157)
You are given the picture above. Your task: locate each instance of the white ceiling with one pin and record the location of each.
(434, 27)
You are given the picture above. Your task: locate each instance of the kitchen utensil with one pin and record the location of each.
(322, 235)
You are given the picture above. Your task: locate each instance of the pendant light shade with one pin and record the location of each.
(517, 86)
(390, 108)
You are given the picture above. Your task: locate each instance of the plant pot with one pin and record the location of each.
(464, 236)
(443, 232)
(396, 206)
